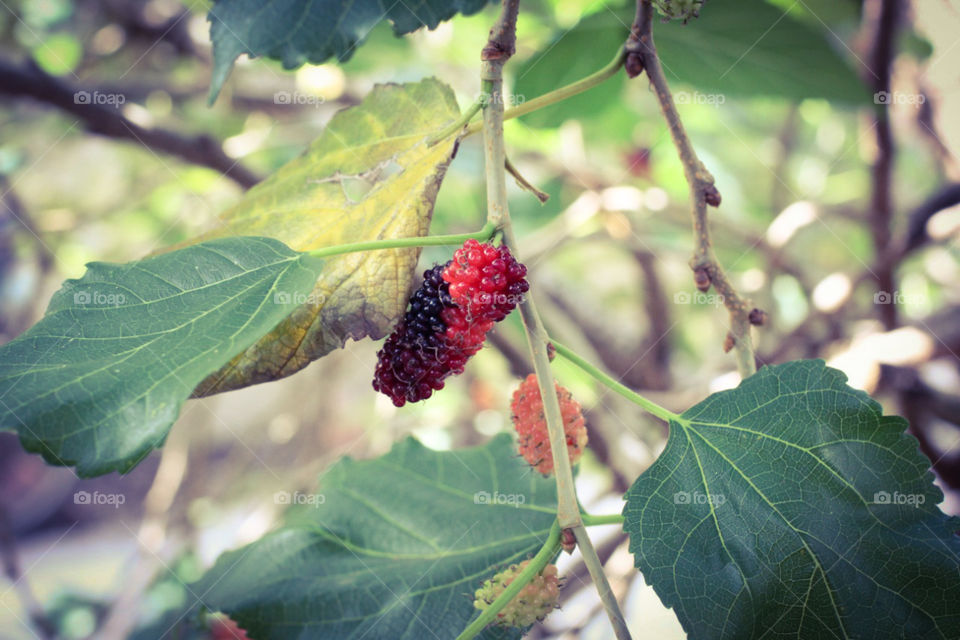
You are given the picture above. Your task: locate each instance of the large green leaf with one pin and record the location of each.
(296, 32)
(370, 175)
(392, 548)
(100, 379)
(791, 507)
(736, 48)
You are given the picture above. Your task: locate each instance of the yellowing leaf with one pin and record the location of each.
(370, 175)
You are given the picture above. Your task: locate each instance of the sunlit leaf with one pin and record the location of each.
(369, 175)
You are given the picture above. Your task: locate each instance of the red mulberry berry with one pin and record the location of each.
(531, 425)
(533, 603)
(439, 331)
(486, 282)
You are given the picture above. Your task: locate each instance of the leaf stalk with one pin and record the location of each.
(647, 405)
(483, 235)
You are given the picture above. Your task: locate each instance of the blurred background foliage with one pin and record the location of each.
(799, 230)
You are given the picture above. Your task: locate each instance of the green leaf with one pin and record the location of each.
(825, 14)
(100, 379)
(736, 48)
(792, 507)
(391, 548)
(297, 32)
(369, 176)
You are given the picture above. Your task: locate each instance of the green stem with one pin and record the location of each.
(595, 521)
(609, 600)
(460, 122)
(547, 552)
(648, 405)
(401, 243)
(568, 510)
(558, 95)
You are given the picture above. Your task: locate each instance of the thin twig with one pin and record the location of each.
(524, 183)
(642, 56)
(108, 120)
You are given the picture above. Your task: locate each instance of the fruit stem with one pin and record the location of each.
(547, 552)
(482, 235)
(704, 262)
(595, 521)
(647, 405)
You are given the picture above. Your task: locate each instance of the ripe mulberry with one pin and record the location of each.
(448, 320)
(531, 425)
(417, 356)
(533, 603)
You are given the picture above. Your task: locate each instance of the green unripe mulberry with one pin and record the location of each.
(537, 598)
(679, 9)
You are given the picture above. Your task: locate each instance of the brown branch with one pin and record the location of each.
(502, 43)
(104, 117)
(174, 30)
(10, 559)
(881, 204)
(787, 139)
(657, 307)
(642, 56)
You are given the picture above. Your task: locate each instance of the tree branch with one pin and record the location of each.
(881, 205)
(107, 120)
(642, 56)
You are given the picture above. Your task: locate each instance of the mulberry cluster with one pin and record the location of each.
(448, 320)
(531, 425)
(537, 598)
